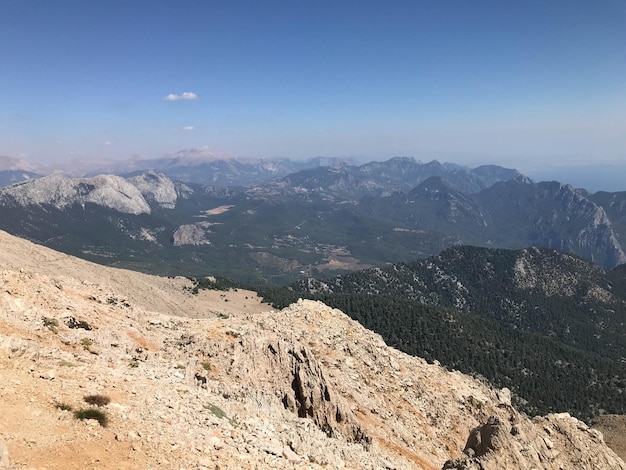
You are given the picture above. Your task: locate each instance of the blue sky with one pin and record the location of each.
(528, 84)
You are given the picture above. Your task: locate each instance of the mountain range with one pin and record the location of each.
(190, 165)
(317, 221)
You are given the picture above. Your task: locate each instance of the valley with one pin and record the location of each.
(316, 222)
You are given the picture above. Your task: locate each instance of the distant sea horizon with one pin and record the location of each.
(593, 178)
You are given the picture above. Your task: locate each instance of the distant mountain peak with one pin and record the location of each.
(433, 184)
(401, 160)
(14, 164)
(156, 187)
(196, 155)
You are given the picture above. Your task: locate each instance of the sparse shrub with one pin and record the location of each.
(51, 323)
(133, 364)
(92, 413)
(98, 400)
(87, 343)
(328, 430)
(64, 363)
(180, 366)
(206, 365)
(73, 323)
(216, 411)
(213, 283)
(64, 406)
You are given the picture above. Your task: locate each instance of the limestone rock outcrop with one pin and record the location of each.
(191, 234)
(557, 441)
(295, 374)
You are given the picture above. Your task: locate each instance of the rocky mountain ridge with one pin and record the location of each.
(549, 206)
(217, 380)
(517, 213)
(614, 204)
(399, 174)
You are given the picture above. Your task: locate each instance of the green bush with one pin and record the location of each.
(92, 413)
(98, 400)
(216, 411)
(87, 346)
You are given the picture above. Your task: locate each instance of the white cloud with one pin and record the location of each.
(187, 95)
(188, 128)
(108, 143)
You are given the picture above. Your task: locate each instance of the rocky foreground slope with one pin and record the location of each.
(218, 380)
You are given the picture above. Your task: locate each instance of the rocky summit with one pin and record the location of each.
(112, 369)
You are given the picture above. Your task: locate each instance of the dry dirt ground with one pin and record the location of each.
(41, 436)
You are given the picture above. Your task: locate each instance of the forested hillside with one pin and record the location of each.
(557, 295)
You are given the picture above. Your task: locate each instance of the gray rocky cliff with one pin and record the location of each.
(191, 234)
(129, 196)
(109, 191)
(156, 188)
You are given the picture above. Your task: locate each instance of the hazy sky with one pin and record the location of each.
(519, 83)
